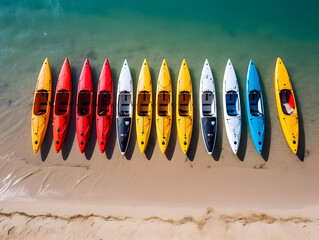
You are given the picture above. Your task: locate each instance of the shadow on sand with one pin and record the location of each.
(93, 138)
(243, 139)
(69, 139)
(48, 138)
(302, 140)
(132, 140)
(172, 141)
(267, 138)
(112, 139)
(194, 141)
(153, 136)
(219, 135)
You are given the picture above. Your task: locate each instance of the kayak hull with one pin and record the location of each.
(164, 107)
(184, 107)
(286, 106)
(124, 107)
(41, 106)
(143, 114)
(104, 106)
(84, 106)
(62, 106)
(255, 107)
(208, 108)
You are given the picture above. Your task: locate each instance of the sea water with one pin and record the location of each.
(263, 30)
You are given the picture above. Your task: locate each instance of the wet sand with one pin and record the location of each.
(154, 195)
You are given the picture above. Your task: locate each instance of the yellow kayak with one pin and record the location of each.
(286, 105)
(184, 107)
(164, 107)
(41, 106)
(144, 107)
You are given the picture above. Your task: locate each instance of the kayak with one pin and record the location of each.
(286, 106)
(184, 107)
(255, 107)
(62, 106)
(207, 107)
(232, 110)
(41, 106)
(84, 106)
(164, 107)
(104, 106)
(144, 107)
(124, 108)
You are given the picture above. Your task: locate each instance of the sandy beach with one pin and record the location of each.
(156, 196)
(153, 195)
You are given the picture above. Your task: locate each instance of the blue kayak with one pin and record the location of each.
(255, 107)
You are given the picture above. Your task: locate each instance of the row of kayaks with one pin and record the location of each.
(285, 100)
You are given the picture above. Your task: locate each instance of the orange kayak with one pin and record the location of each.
(41, 106)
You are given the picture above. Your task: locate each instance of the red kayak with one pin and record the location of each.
(84, 106)
(104, 106)
(62, 105)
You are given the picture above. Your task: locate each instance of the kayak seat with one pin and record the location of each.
(208, 108)
(44, 103)
(163, 101)
(63, 111)
(143, 102)
(41, 112)
(63, 103)
(162, 113)
(232, 103)
(104, 111)
(184, 100)
(143, 113)
(285, 98)
(255, 103)
(124, 101)
(86, 103)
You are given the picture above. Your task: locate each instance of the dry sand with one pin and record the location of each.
(156, 196)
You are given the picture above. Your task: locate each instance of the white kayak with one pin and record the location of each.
(124, 107)
(232, 111)
(207, 107)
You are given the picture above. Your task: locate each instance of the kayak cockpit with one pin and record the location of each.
(62, 99)
(208, 107)
(163, 100)
(41, 102)
(184, 99)
(104, 104)
(124, 102)
(84, 103)
(287, 102)
(232, 103)
(143, 103)
(255, 103)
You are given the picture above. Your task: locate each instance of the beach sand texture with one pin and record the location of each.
(153, 195)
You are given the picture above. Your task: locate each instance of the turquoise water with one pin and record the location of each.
(31, 30)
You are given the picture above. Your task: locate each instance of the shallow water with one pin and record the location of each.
(32, 30)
